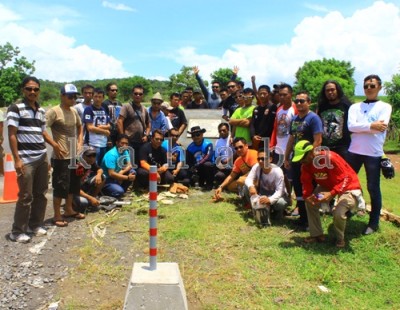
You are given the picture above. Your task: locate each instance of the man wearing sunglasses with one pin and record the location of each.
(158, 119)
(213, 99)
(66, 128)
(134, 120)
(200, 158)
(368, 122)
(152, 154)
(27, 136)
(241, 167)
(305, 126)
(177, 157)
(266, 184)
(113, 108)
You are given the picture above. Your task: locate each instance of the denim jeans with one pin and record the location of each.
(372, 166)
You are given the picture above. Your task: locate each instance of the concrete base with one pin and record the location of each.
(156, 289)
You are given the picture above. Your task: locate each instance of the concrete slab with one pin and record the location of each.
(160, 289)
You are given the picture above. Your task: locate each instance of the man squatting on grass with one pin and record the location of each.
(334, 177)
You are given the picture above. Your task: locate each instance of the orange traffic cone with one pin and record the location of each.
(10, 192)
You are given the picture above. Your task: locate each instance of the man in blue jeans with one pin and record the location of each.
(368, 122)
(118, 169)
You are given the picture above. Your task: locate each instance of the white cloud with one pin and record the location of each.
(369, 39)
(7, 15)
(316, 7)
(117, 6)
(56, 55)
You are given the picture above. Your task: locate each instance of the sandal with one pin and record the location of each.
(78, 216)
(60, 223)
(318, 239)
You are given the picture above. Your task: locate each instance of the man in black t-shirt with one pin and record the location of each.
(152, 154)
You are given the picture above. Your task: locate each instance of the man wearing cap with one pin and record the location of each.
(112, 107)
(177, 116)
(27, 135)
(165, 108)
(157, 118)
(334, 177)
(97, 123)
(134, 120)
(152, 154)
(200, 158)
(117, 167)
(66, 128)
(91, 180)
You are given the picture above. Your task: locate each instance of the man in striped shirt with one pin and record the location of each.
(27, 134)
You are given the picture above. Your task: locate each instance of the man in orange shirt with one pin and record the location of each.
(241, 167)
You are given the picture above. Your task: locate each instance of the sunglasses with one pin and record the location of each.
(71, 96)
(114, 90)
(91, 155)
(30, 89)
(260, 158)
(174, 136)
(231, 86)
(215, 86)
(138, 94)
(372, 86)
(156, 102)
(239, 147)
(196, 134)
(159, 139)
(297, 101)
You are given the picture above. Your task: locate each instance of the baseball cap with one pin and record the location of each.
(69, 89)
(166, 105)
(300, 149)
(89, 151)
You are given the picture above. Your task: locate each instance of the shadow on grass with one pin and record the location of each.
(354, 229)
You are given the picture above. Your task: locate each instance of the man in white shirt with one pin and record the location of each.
(368, 122)
(267, 190)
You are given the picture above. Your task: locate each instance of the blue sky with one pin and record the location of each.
(95, 39)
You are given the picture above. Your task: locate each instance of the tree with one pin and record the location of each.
(223, 76)
(125, 87)
(312, 75)
(13, 69)
(392, 90)
(178, 82)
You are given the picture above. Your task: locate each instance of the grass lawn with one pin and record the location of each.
(227, 262)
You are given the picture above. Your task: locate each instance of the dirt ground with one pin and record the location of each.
(35, 275)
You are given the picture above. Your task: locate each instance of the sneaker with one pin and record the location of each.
(369, 231)
(21, 238)
(38, 231)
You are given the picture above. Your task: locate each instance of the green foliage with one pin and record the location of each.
(311, 76)
(12, 71)
(223, 76)
(393, 91)
(178, 82)
(125, 87)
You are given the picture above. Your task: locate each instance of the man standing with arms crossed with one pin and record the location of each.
(368, 122)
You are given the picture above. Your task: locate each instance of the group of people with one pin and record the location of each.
(269, 142)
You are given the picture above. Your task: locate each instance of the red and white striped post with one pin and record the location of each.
(153, 217)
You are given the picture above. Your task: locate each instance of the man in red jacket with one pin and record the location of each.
(334, 177)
